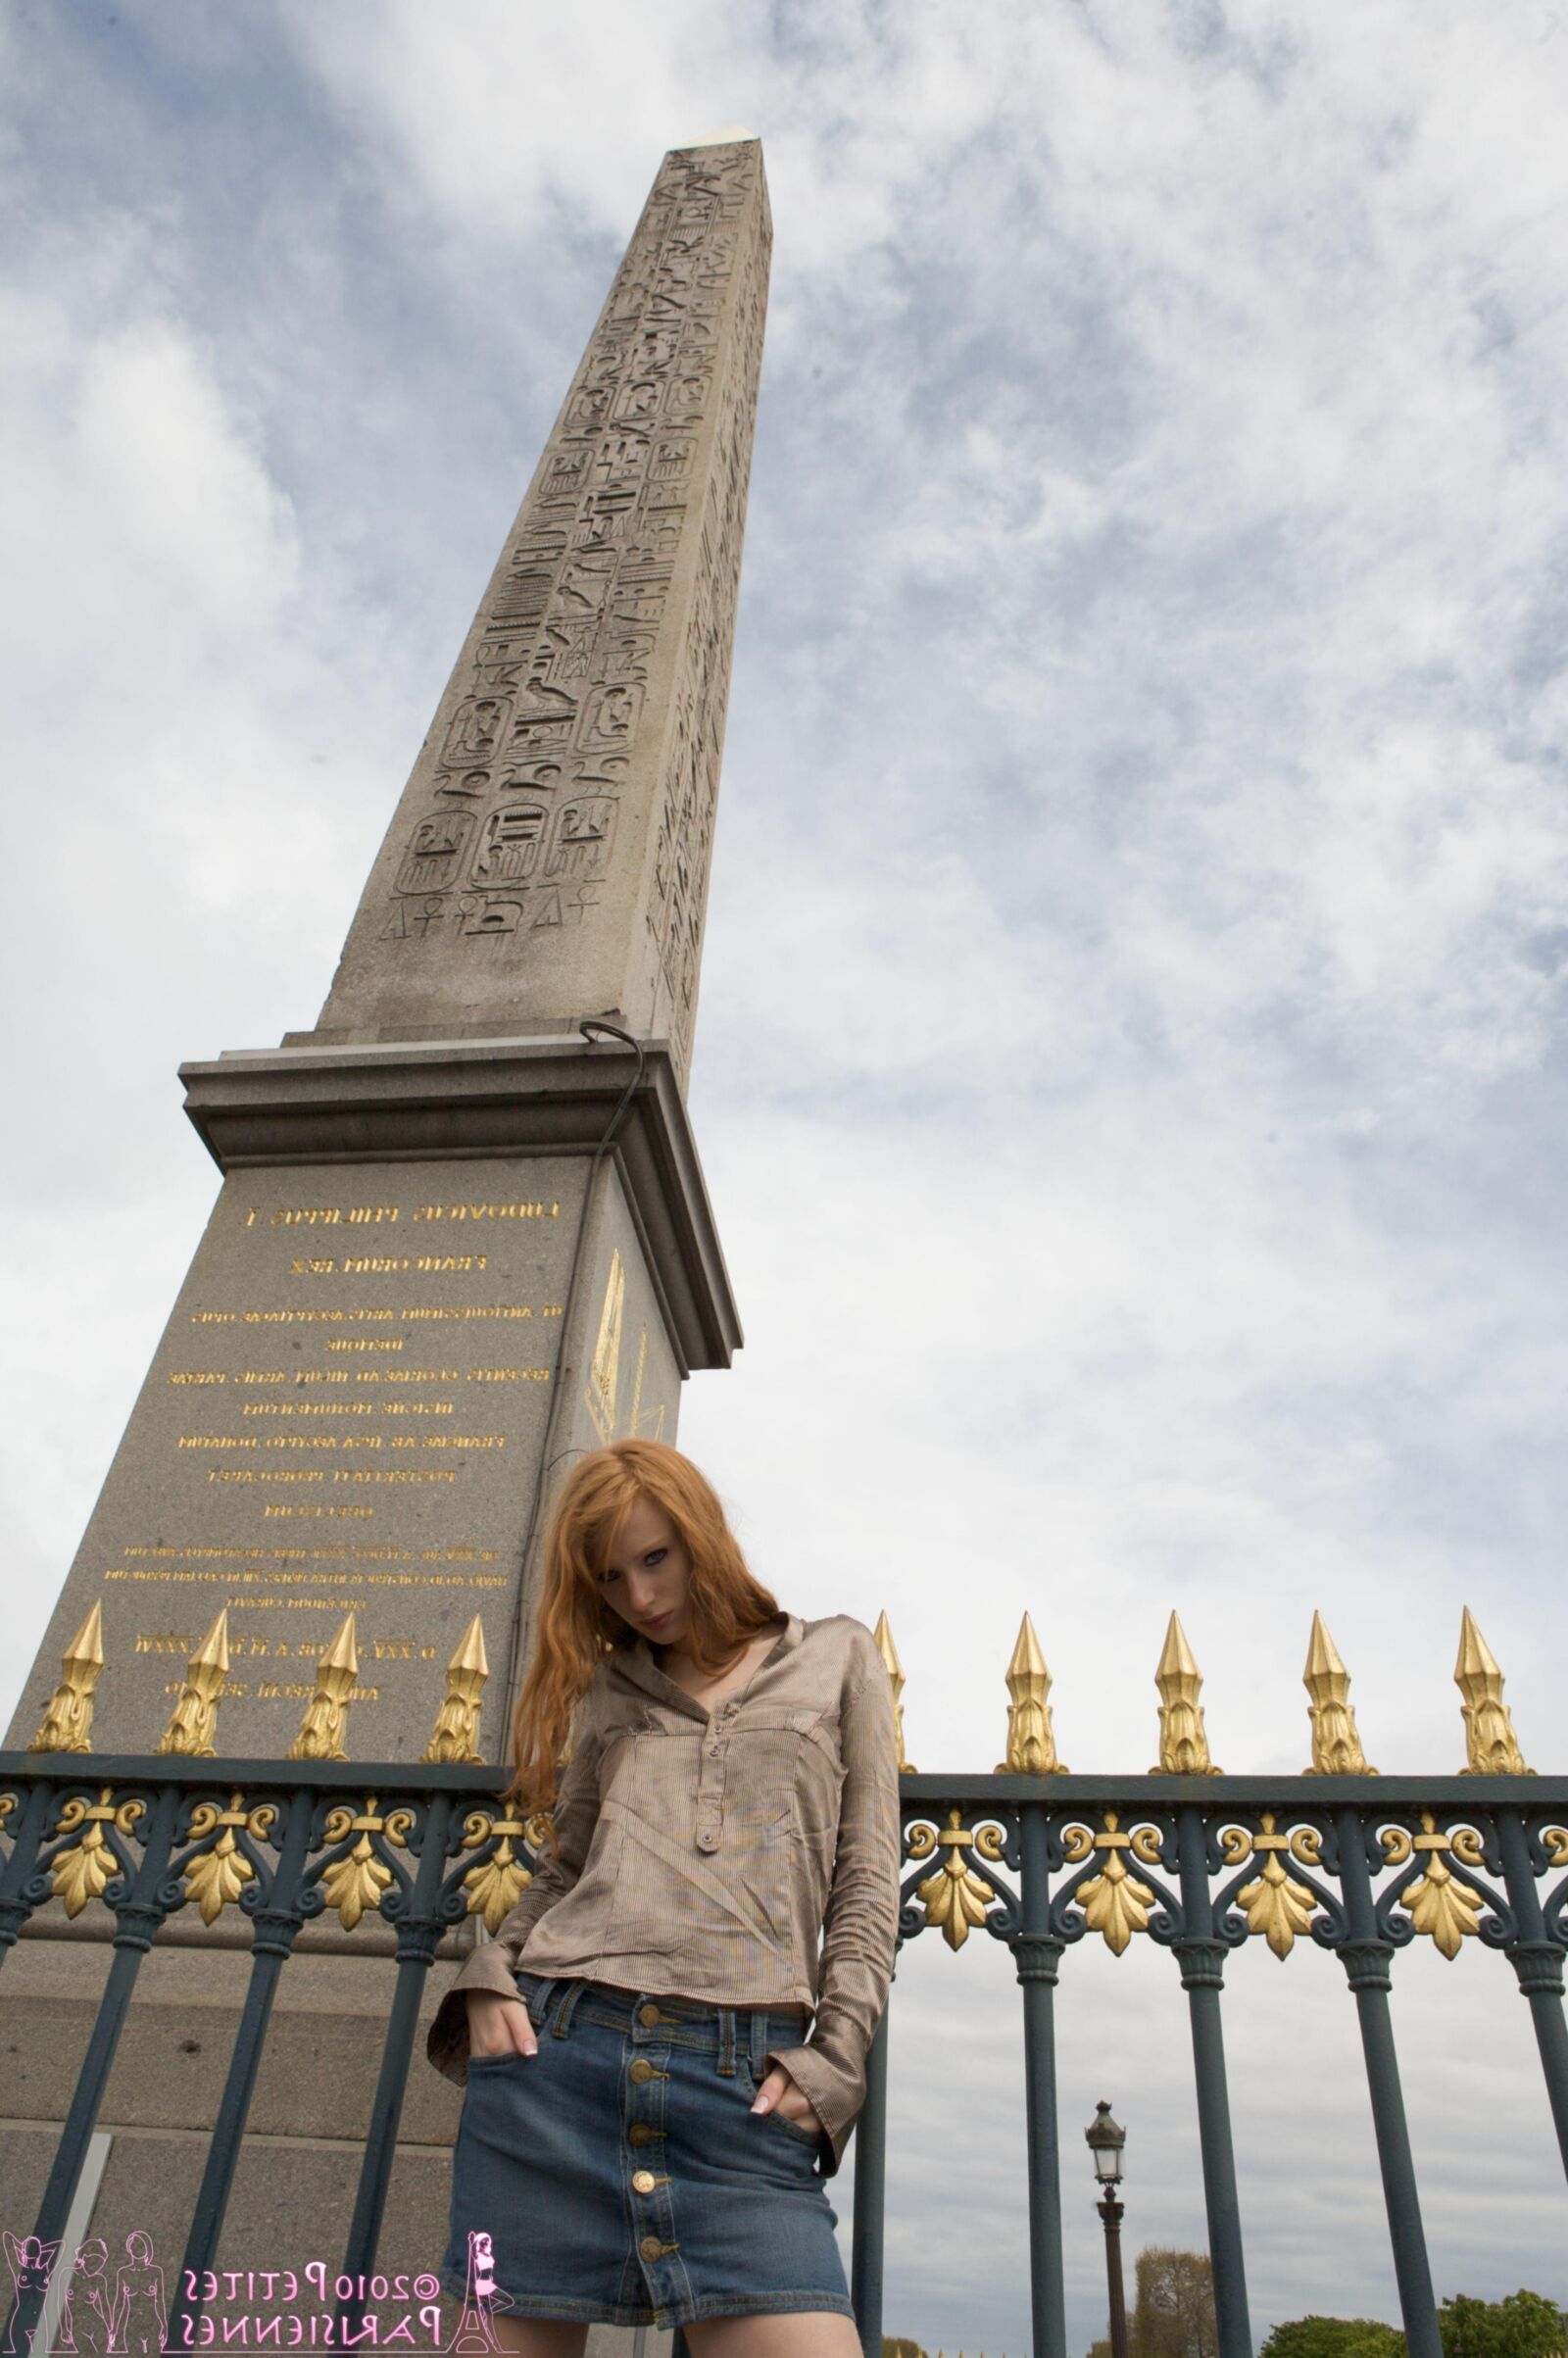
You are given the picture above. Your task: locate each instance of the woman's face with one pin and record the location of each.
(648, 1576)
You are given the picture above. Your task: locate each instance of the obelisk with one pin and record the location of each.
(404, 1295)
(462, 1235)
(549, 855)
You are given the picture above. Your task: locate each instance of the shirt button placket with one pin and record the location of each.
(710, 1784)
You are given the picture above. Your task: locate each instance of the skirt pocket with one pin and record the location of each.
(811, 2137)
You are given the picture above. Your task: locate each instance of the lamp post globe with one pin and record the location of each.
(1105, 2138)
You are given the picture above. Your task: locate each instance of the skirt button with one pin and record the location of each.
(641, 2133)
(651, 2248)
(643, 2182)
(642, 2071)
(648, 2016)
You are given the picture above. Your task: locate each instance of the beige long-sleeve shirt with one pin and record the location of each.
(708, 1853)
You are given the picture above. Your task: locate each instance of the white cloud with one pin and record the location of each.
(160, 464)
(485, 109)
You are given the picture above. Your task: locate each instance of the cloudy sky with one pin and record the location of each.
(1130, 1071)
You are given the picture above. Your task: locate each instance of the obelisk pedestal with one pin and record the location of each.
(462, 1236)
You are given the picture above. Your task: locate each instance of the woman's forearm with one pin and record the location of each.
(861, 1921)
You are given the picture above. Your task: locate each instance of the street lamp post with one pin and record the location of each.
(1105, 2138)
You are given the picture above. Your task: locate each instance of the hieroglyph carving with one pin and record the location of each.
(535, 757)
(685, 824)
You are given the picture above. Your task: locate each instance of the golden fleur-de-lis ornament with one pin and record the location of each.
(495, 1886)
(326, 1715)
(1031, 1738)
(954, 1899)
(1183, 1743)
(67, 1725)
(1274, 1904)
(1490, 1746)
(456, 1723)
(1114, 1902)
(895, 1669)
(83, 1871)
(193, 1722)
(1335, 1745)
(354, 1884)
(216, 1877)
(1447, 1910)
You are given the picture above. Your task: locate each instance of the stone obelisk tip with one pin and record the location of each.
(733, 134)
(548, 858)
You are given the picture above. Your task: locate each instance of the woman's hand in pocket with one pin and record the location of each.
(779, 2093)
(499, 2026)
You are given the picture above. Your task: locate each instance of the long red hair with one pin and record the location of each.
(574, 1625)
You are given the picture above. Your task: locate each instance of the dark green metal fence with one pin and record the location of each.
(1359, 1865)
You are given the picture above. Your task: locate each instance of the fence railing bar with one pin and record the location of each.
(1366, 1956)
(1035, 1955)
(277, 1923)
(418, 1931)
(14, 1907)
(1200, 1954)
(137, 1918)
(46, 2333)
(924, 1790)
(871, 2196)
(480, 1777)
(1538, 1963)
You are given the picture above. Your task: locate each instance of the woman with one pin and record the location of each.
(84, 2321)
(647, 2125)
(31, 2261)
(138, 2323)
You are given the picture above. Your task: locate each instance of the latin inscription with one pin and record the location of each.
(345, 1414)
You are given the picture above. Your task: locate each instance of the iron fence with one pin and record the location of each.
(1196, 1865)
(1187, 1859)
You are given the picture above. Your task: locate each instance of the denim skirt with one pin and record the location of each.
(620, 2175)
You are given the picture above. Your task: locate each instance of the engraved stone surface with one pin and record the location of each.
(549, 856)
(347, 1413)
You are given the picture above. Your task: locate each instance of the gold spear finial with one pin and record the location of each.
(457, 1723)
(193, 1722)
(68, 1723)
(890, 1656)
(1490, 1740)
(326, 1716)
(1031, 1738)
(1182, 1744)
(1335, 1745)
